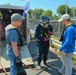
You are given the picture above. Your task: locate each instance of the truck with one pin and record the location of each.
(5, 13)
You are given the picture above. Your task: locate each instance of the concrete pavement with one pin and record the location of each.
(53, 59)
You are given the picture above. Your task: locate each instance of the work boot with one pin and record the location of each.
(39, 64)
(46, 64)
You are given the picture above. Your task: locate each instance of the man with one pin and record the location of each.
(14, 42)
(43, 30)
(68, 44)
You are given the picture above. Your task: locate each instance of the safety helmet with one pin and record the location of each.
(44, 19)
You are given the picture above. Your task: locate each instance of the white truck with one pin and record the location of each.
(5, 13)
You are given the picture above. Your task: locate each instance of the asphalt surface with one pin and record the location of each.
(53, 60)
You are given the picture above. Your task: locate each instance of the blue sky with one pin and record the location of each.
(44, 4)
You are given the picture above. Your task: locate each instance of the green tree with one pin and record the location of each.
(31, 13)
(8, 4)
(48, 13)
(37, 13)
(55, 17)
(73, 11)
(62, 8)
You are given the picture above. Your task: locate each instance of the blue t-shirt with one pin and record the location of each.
(11, 36)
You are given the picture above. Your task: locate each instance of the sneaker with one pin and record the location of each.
(61, 71)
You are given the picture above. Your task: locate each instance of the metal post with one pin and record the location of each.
(28, 26)
(59, 27)
(59, 31)
(66, 6)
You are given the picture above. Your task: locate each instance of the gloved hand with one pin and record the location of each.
(18, 61)
(45, 39)
(50, 33)
(19, 67)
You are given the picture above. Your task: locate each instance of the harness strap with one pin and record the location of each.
(20, 38)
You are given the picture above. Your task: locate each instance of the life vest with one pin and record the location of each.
(20, 38)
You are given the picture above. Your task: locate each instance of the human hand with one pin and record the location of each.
(18, 61)
(58, 52)
(45, 39)
(50, 33)
(19, 67)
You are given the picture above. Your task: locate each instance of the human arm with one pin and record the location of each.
(37, 33)
(50, 29)
(15, 48)
(14, 39)
(68, 39)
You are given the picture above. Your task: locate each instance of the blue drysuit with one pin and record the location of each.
(40, 34)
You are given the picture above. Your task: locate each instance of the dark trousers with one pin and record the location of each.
(43, 51)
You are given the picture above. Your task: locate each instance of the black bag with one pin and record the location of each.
(20, 70)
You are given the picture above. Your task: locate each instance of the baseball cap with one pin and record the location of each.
(64, 17)
(17, 17)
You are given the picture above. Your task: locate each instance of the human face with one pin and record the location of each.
(45, 25)
(19, 23)
(63, 23)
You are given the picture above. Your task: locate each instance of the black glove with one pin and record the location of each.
(19, 67)
(18, 61)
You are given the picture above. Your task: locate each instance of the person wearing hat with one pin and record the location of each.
(14, 42)
(43, 30)
(68, 44)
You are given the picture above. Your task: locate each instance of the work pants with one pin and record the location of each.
(67, 62)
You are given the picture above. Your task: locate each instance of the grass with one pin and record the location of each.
(74, 59)
(74, 56)
(54, 46)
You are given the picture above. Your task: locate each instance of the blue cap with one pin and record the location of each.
(17, 17)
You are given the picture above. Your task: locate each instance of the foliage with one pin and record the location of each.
(7, 4)
(74, 56)
(73, 11)
(48, 13)
(55, 17)
(54, 46)
(35, 14)
(62, 8)
(74, 59)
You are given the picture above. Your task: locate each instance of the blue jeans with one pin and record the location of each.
(12, 59)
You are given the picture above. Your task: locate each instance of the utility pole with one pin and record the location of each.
(66, 6)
